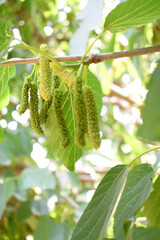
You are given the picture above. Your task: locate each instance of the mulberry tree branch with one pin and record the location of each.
(92, 58)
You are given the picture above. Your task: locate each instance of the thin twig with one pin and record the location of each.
(92, 58)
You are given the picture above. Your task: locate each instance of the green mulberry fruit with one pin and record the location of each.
(24, 95)
(80, 118)
(57, 106)
(43, 115)
(45, 74)
(47, 104)
(34, 117)
(56, 80)
(92, 117)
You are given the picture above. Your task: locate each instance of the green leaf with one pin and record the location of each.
(19, 142)
(132, 14)
(69, 155)
(6, 36)
(40, 207)
(6, 190)
(4, 98)
(140, 233)
(24, 211)
(6, 72)
(34, 176)
(150, 129)
(1, 134)
(136, 191)
(95, 84)
(152, 205)
(49, 229)
(94, 221)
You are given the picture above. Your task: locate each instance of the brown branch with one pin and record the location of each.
(92, 58)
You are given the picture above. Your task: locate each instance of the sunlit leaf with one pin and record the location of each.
(136, 190)
(4, 98)
(6, 35)
(94, 221)
(6, 72)
(152, 205)
(132, 14)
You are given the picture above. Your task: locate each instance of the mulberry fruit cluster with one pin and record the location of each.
(80, 118)
(24, 95)
(39, 107)
(46, 95)
(86, 115)
(57, 107)
(45, 74)
(92, 117)
(34, 116)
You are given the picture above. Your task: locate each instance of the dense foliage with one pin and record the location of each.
(53, 114)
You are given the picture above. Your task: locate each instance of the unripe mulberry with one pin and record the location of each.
(79, 107)
(92, 117)
(56, 80)
(24, 95)
(57, 106)
(45, 74)
(43, 115)
(34, 117)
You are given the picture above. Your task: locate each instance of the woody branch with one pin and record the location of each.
(92, 58)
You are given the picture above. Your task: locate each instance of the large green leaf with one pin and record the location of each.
(137, 189)
(5, 36)
(152, 205)
(6, 72)
(34, 176)
(49, 229)
(94, 221)
(150, 129)
(19, 142)
(140, 233)
(6, 191)
(132, 14)
(71, 153)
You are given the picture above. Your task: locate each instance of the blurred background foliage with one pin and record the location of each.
(37, 187)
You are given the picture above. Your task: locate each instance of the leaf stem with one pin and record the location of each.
(82, 60)
(142, 154)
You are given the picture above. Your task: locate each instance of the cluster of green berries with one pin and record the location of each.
(43, 96)
(46, 95)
